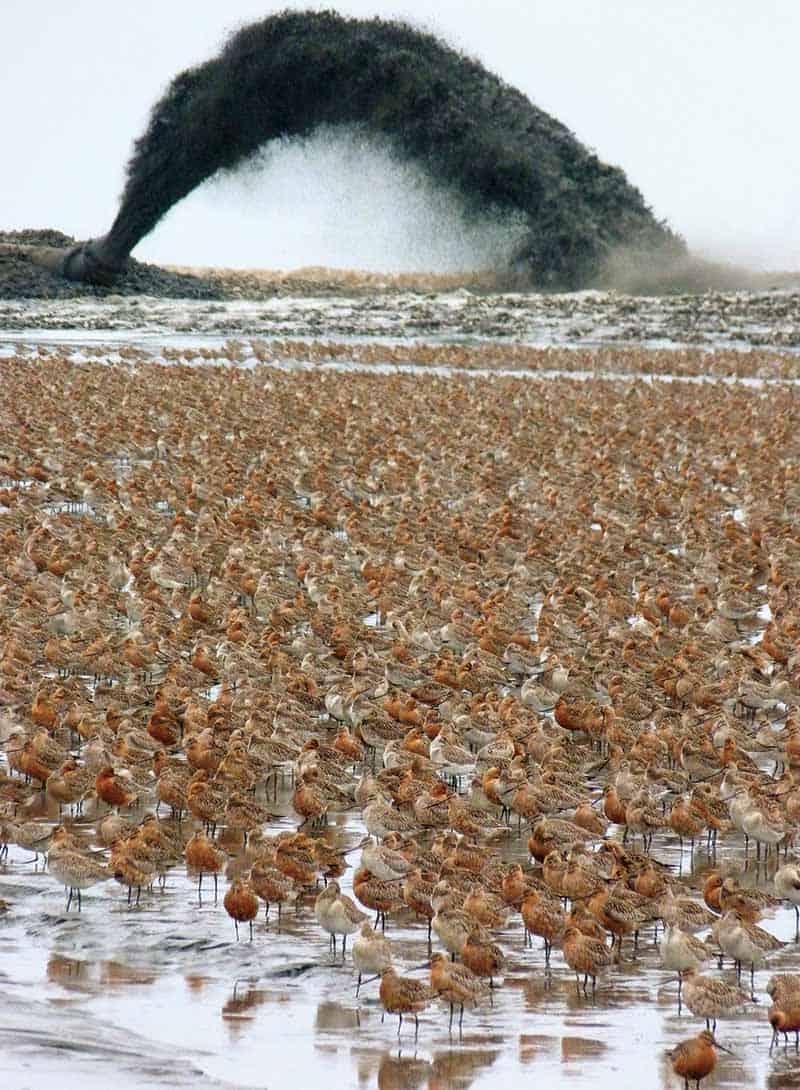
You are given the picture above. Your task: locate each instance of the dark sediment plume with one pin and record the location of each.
(293, 72)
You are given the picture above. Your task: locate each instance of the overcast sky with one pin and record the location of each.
(695, 99)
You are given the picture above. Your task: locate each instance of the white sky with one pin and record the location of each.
(695, 99)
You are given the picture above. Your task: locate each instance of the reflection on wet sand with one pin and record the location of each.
(533, 1046)
(398, 1072)
(115, 974)
(333, 1018)
(458, 1068)
(454, 1068)
(581, 1048)
(242, 1001)
(70, 973)
(76, 974)
(196, 983)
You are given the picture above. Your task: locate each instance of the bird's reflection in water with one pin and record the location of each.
(114, 974)
(581, 1048)
(196, 983)
(335, 1016)
(237, 1011)
(454, 1069)
(71, 973)
(532, 1046)
(457, 1069)
(399, 1072)
(77, 974)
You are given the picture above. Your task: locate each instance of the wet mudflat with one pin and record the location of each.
(583, 319)
(161, 994)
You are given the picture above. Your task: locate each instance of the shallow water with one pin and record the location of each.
(582, 319)
(164, 996)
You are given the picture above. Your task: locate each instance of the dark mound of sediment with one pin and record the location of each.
(21, 277)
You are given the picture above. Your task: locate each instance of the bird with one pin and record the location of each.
(338, 914)
(203, 857)
(74, 868)
(543, 916)
(585, 956)
(710, 998)
(680, 951)
(112, 790)
(784, 1014)
(787, 887)
(696, 1058)
(403, 995)
(241, 904)
(745, 942)
(372, 952)
(456, 984)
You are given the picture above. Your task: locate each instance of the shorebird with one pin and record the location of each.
(338, 915)
(782, 986)
(450, 757)
(241, 904)
(457, 985)
(383, 861)
(542, 916)
(684, 912)
(403, 995)
(768, 829)
(696, 1058)
(453, 927)
(750, 903)
(586, 956)
(484, 958)
(272, 886)
(680, 951)
(784, 1018)
(784, 1014)
(417, 892)
(787, 887)
(381, 818)
(72, 867)
(202, 857)
(710, 998)
(112, 789)
(33, 836)
(745, 942)
(372, 953)
(376, 894)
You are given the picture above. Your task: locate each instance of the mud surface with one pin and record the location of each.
(22, 278)
(163, 996)
(503, 326)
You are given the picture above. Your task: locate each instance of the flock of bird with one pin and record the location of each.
(532, 631)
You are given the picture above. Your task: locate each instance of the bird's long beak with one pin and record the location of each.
(370, 979)
(712, 776)
(723, 1048)
(355, 848)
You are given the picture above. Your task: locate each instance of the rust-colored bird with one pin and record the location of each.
(241, 904)
(696, 1058)
(112, 789)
